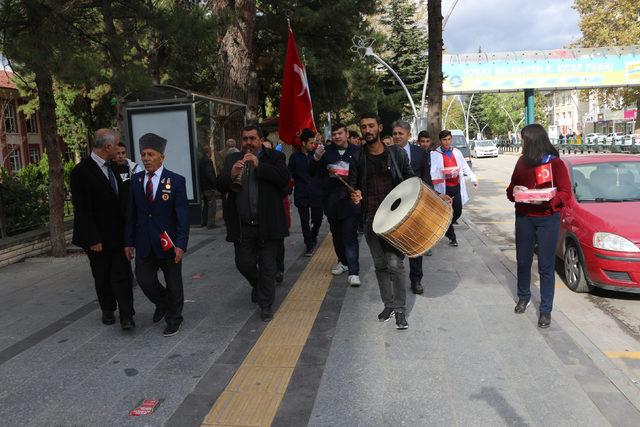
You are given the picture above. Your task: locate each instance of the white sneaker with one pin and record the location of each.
(354, 280)
(339, 269)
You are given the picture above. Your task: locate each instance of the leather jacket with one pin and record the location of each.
(399, 167)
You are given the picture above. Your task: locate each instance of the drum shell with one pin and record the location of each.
(423, 227)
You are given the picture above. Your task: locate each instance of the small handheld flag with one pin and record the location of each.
(165, 241)
(544, 174)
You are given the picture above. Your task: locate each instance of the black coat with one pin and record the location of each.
(308, 189)
(98, 213)
(273, 183)
(399, 168)
(207, 174)
(421, 163)
(335, 197)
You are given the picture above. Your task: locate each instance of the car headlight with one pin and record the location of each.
(613, 242)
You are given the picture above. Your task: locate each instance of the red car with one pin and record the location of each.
(600, 228)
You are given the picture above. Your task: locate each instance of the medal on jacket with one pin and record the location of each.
(168, 185)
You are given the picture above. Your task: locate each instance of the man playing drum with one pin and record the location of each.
(374, 172)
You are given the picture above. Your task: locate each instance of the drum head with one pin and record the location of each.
(396, 206)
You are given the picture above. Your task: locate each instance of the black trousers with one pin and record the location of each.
(280, 257)
(170, 297)
(454, 193)
(415, 269)
(112, 276)
(256, 261)
(310, 230)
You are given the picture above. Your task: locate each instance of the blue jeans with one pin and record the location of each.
(544, 231)
(345, 241)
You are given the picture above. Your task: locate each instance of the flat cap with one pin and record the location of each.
(153, 141)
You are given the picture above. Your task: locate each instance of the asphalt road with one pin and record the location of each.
(611, 320)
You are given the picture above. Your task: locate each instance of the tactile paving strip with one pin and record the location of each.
(254, 393)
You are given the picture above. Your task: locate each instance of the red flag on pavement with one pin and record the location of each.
(165, 241)
(544, 174)
(296, 110)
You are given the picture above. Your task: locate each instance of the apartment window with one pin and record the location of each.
(15, 161)
(34, 154)
(32, 124)
(10, 124)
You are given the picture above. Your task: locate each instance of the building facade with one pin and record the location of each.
(570, 113)
(20, 137)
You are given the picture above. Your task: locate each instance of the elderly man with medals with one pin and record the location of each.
(157, 232)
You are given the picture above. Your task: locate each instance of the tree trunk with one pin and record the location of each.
(49, 130)
(434, 84)
(236, 60)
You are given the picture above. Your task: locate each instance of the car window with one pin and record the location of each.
(484, 143)
(459, 141)
(606, 182)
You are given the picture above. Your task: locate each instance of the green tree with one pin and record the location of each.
(611, 23)
(406, 52)
(339, 80)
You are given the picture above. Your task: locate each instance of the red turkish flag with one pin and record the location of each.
(544, 174)
(165, 241)
(296, 110)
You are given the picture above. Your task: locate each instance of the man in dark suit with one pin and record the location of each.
(98, 228)
(157, 231)
(207, 174)
(307, 196)
(342, 214)
(420, 161)
(253, 183)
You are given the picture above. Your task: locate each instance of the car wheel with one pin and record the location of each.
(574, 270)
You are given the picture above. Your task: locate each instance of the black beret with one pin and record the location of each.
(153, 141)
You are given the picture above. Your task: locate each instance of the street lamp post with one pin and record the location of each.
(362, 46)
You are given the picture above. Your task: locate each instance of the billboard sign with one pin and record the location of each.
(543, 70)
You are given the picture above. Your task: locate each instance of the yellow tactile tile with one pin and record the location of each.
(253, 395)
(623, 354)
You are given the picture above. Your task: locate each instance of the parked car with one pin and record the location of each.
(483, 148)
(614, 138)
(627, 140)
(460, 142)
(592, 138)
(599, 240)
(635, 138)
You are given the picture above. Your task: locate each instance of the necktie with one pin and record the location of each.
(112, 178)
(149, 189)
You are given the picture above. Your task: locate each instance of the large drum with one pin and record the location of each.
(413, 217)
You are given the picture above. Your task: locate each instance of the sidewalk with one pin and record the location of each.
(466, 359)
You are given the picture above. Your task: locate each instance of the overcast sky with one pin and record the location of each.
(508, 25)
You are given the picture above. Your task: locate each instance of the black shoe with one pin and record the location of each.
(453, 242)
(309, 251)
(171, 329)
(279, 277)
(522, 305)
(544, 321)
(159, 313)
(108, 318)
(386, 314)
(127, 324)
(417, 288)
(266, 314)
(401, 321)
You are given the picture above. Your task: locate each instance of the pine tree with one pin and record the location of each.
(406, 53)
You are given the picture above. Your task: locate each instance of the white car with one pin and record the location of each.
(627, 140)
(614, 138)
(483, 148)
(592, 138)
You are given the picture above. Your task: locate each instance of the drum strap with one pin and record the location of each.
(392, 159)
